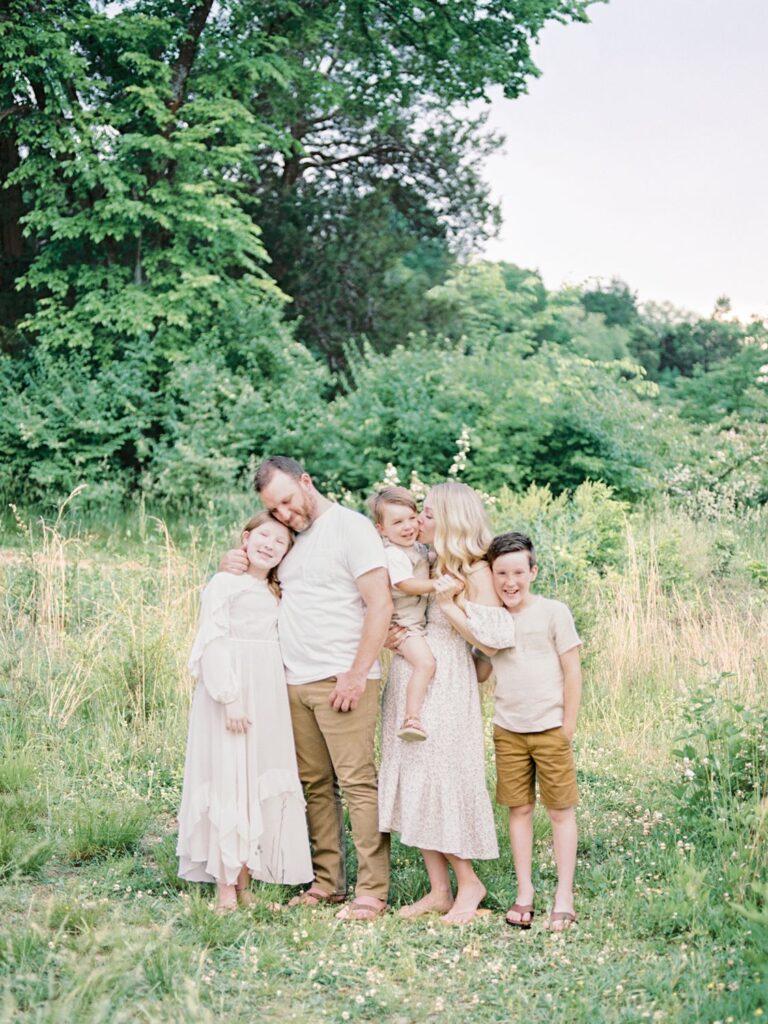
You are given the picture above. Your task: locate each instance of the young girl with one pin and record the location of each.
(242, 808)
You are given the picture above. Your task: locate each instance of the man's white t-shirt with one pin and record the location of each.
(321, 612)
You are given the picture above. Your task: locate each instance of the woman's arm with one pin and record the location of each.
(479, 591)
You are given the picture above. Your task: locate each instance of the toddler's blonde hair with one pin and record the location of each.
(389, 496)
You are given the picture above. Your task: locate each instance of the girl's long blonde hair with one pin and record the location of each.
(462, 534)
(255, 521)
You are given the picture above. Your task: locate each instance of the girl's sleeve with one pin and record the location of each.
(492, 627)
(210, 659)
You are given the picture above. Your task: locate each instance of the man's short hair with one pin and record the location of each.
(389, 496)
(276, 464)
(508, 543)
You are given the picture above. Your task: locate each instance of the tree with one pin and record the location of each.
(686, 348)
(130, 141)
(131, 210)
(142, 145)
(617, 303)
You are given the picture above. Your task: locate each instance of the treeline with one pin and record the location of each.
(236, 228)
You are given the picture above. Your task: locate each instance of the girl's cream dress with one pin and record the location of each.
(242, 801)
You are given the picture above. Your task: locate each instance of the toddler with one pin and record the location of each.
(394, 513)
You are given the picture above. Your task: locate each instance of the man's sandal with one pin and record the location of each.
(412, 729)
(357, 911)
(565, 916)
(314, 898)
(521, 909)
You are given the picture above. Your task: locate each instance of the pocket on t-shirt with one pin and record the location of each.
(536, 641)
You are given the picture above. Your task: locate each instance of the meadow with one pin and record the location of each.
(672, 749)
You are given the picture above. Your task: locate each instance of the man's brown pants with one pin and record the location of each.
(334, 751)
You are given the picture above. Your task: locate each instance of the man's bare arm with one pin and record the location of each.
(350, 685)
(235, 561)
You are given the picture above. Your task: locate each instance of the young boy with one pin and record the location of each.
(395, 516)
(538, 692)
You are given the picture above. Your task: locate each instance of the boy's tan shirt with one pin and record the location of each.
(529, 678)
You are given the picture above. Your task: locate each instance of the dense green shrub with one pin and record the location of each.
(181, 431)
(723, 764)
(545, 417)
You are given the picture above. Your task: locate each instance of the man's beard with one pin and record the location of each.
(308, 509)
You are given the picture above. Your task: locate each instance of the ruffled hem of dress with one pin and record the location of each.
(491, 626)
(447, 848)
(390, 820)
(220, 827)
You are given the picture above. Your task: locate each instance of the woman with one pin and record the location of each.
(434, 793)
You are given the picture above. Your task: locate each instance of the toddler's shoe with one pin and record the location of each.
(411, 730)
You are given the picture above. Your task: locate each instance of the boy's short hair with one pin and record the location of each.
(390, 496)
(507, 544)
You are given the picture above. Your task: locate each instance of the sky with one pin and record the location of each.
(642, 153)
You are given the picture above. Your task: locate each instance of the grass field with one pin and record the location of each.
(672, 886)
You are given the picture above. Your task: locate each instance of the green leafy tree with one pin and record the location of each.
(688, 347)
(131, 204)
(378, 177)
(617, 304)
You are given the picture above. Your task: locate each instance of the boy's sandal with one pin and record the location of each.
(520, 908)
(357, 911)
(565, 916)
(412, 729)
(314, 897)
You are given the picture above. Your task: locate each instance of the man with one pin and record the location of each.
(334, 615)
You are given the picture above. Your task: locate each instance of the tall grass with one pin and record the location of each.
(94, 695)
(664, 626)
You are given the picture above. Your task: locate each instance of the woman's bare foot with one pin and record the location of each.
(468, 899)
(435, 902)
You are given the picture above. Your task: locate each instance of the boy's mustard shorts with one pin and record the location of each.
(523, 757)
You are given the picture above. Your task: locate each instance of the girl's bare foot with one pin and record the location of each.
(243, 888)
(468, 899)
(432, 903)
(227, 898)
(244, 897)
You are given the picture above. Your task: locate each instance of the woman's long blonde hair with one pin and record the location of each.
(255, 521)
(462, 534)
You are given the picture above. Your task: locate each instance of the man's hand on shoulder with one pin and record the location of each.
(349, 688)
(235, 561)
